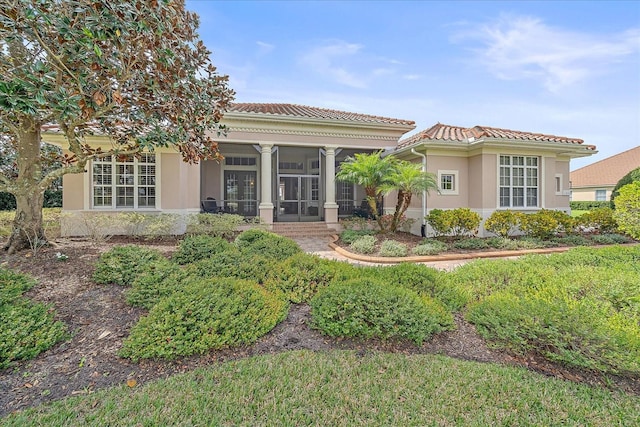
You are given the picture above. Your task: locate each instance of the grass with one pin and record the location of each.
(50, 222)
(575, 213)
(340, 388)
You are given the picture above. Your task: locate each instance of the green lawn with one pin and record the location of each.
(339, 388)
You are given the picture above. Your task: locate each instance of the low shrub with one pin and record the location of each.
(503, 223)
(204, 315)
(366, 308)
(429, 247)
(301, 276)
(609, 239)
(356, 223)
(391, 248)
(266, 244)
(122, 264)
(527, 242)
(582, 316)
(588, 205)
(195, 248)
(504, 243)
(472, 243)
(364, 245)
(419, 278)
(28, 328)
(155, 282)
(233, 263)
(600, 220)
(349, 236)
(572, 240)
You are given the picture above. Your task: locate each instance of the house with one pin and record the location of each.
(488, 169)
(281, 159)
(596, 181)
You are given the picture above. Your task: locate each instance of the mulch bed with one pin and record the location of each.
(99, 319)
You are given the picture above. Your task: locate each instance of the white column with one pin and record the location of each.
(330, 205)
(266, 204)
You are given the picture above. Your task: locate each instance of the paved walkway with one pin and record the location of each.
(320, 246)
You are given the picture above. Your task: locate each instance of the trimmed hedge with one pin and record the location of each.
(204, 315)
(588, 205)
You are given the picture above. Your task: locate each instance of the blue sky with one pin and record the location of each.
(564, 68)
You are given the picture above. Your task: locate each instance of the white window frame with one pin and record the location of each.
(455, 182)
(135, 182)
(604, 190)
(523, 177)
(558, 184)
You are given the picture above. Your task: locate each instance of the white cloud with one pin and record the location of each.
(519, 47)
(412, 76)
(264, 48)
(329, 60)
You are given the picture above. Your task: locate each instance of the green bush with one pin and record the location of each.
(527, 242)
(155, 282)
(195, 248)
(364, 245)
(233, 263)
(504, 243)
(455, 222)
(366, 308)
(632, 176)
(419, 278)
(472, 243)
(266, 244)
(627, 213)
(429, 247)
(223, 225)
(349, 236)
(301, 276)
(582, 316)
(122, 264)
(600, 220)
(572, 240)
(391, 248)
(28, 328)
(204, 315)
(503, 223)
(546, 223)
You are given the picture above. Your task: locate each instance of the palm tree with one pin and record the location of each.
(373, 173)
(408, 179)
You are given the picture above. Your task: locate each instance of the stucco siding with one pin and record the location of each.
(180, 183)
(73, 195)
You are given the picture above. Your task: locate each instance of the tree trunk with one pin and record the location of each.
(372, 199)
(404, 200)
(27, 224)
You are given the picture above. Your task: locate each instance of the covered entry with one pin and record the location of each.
(300, 195)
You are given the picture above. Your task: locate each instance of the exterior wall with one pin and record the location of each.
(73, 196)
(179, 184)
(588, 194)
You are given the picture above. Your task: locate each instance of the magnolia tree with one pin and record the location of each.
(135, 71)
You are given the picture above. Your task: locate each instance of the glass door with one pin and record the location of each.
(298, 198)
(240, 192)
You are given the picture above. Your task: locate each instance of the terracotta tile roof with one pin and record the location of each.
(442, 132)
(606, 172)
(293, 110)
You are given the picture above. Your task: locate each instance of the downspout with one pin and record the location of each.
(423, 227)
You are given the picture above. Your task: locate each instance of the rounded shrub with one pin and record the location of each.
(349, 236)
(503, 223)
(204, 315)
(627, 213)
(195, 248)
(365, 308)
(122, 264)
(599, 220)
(391, 248)
(364, 245)
(266, 244)
(301, 276)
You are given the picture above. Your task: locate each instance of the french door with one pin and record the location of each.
(298, 198)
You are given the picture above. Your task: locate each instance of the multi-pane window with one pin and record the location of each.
(518, 181)
(601, 195)
(124, 182)
(448, 182)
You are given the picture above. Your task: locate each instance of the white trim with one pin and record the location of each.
(558, 188)
(456, 182)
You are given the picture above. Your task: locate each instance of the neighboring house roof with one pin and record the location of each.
(606, 172)
(444, 133)
(294, 110)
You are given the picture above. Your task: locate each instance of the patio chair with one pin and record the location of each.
(210, 206)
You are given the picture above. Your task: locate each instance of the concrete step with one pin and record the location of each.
(303, 229)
